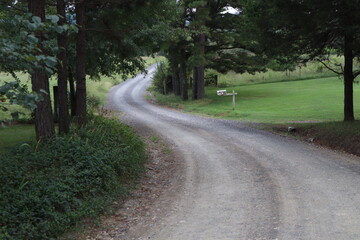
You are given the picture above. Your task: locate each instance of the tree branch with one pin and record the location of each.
(356, 73)
(19, 9)
(331, 69)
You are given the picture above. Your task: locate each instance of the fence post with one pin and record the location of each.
(233, 93)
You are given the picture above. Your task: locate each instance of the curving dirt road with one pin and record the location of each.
(242, 183)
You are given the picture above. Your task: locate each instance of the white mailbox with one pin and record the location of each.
(224, 93)
(221, 92)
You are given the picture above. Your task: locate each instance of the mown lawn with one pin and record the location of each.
(15, 134)
(294, 101)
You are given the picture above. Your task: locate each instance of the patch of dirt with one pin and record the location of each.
(324, 138)
(157, 188)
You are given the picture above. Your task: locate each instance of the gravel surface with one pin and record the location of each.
(241, 183)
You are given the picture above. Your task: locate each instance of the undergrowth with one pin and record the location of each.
(46, 188)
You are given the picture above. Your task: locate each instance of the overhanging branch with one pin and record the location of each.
(331, 69)
(356, 73)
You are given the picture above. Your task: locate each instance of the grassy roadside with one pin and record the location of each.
(342, 136)
(49, 188)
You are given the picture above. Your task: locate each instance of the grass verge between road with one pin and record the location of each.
(47, 189)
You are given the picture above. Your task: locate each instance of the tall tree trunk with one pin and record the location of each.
(183, 76)
(348, 79)
(175, 80)
(199, 52)
(72, 92)
(195, 83)
(62, 73)
(174, 63)
(201, 69)
(44, 125)
(80, 64)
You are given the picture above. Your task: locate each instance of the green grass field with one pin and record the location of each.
(12, 135)
(294, 101)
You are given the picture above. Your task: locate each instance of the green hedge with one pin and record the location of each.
(46, 188)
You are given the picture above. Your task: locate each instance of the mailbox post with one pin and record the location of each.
(224, 93)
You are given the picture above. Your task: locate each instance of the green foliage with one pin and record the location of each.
(122, 32)
(20, 43)
(162, 78)
(47, 187)
(93, 103)
(300, 30)
(17, 93)
(22, 50)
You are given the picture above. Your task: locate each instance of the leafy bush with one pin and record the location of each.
(162, 78)
(46, 188)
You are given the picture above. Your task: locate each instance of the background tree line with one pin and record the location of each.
(259, 35)
(72, 40)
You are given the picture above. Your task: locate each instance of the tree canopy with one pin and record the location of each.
(310, 30)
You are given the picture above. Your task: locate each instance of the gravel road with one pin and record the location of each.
(243, 183)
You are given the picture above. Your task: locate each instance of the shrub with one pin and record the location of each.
(162, 78)
(46, 188)
(93, 103)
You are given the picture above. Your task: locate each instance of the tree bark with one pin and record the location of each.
(199, 51)
(348, 79)
(195, 83)
(44, 125)
(201, 69)
(80, 63)
(183, 76)
(174, 63)
(62, 73)
(72, 92)
(175, 80)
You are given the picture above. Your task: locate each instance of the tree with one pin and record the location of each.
(199, 18)
(178, 47)
(18, 45)
(332, 27)
(219, 41)
(62, 68)
(44, 126)
(80, 63)
(112, 38)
